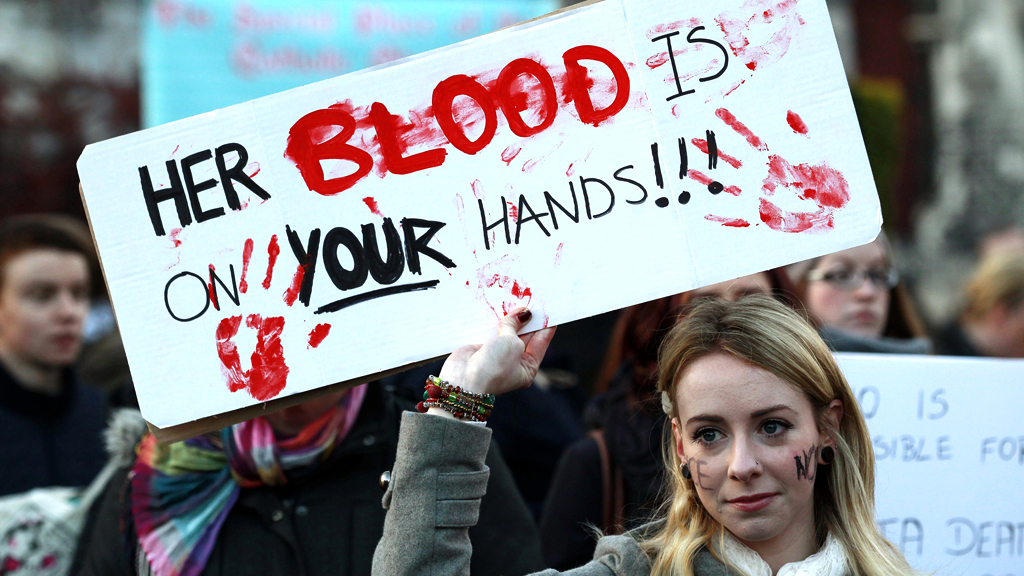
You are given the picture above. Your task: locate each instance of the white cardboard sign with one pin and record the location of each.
(948, 436)
(575, 164)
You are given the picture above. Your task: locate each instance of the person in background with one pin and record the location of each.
(294, 492)
(51, 424)
(611, 479)
(770, 467)
(858, 303)
(992, 323)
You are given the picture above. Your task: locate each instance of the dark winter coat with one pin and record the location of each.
(50, 440)
(328, 521)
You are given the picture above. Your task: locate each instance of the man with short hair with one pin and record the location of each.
(51, 425)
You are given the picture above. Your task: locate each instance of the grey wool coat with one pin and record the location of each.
(434, 497)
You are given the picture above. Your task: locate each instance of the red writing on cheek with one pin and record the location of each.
(821, 183)
(310, 141)
(269, 373)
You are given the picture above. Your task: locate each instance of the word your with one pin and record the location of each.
(1007, 448)
(909, 448)
(187, 197)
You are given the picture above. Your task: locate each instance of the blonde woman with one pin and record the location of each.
(770, 460)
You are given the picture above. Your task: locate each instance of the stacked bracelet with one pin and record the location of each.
(461, 403)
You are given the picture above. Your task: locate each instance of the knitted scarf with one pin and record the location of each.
(181, 493)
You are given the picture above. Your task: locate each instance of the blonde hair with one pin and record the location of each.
(767, 334)
(999, 280)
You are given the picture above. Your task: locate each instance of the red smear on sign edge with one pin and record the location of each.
(243, 286)
(272, 251)
(317, 335)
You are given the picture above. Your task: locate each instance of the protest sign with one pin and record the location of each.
(948, 437)
(381, 218)
(198, 56)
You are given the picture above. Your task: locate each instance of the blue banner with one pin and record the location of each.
(204, 55)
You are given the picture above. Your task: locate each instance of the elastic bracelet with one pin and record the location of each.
(461, 403)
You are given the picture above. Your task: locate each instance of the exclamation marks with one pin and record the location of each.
(659, 179)
(715, 187)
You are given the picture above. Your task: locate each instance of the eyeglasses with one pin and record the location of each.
(850, 280)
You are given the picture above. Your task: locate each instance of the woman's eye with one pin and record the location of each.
(841, 275)
(774, 427)
(706, 436)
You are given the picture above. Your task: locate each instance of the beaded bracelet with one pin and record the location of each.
(461, 403)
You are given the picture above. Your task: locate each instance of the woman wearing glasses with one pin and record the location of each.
(858, 302)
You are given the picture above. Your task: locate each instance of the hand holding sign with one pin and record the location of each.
(406, 209)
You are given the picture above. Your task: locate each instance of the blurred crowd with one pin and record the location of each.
(86, 490)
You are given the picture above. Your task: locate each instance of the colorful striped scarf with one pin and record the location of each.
(181, 493)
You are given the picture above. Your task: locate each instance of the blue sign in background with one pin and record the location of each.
(204, 55)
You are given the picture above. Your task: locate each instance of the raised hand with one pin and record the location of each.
(506, 362)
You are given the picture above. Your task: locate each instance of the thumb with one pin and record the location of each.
(514, 321)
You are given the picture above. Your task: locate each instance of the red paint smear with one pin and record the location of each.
(513, 211)
(699, 177)
(510, 153)
(209, 287)
(736, 25)
(675, 110)
(822, 184)
(740, 129)
(520, 292)
(661, 58)
(733, 89)
(734, 190)
(558, 253)
(660, 29)
(731, 222)
(174, 236)
(372, 205)
(243, 286)
(317, 335)
(269, 372)
(796, 123)
(293, 291)
(257, 165)
(272, 250)
(478, 189)
(571, 169)
(702, 145)
(175, 150)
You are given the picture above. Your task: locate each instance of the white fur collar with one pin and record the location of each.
(829, 561)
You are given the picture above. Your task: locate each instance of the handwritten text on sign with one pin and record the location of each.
(390, 215)
(949, 458)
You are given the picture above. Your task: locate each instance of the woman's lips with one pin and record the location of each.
(753, 502)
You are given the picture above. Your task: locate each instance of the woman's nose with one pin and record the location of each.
(744, 464)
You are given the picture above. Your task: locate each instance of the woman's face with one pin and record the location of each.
(864, 309)
(752, 445)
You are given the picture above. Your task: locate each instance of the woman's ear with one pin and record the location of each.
(833, 416)
(677, 435)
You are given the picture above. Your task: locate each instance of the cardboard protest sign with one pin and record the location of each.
(200, 56)
(385, 217)
(949, 455)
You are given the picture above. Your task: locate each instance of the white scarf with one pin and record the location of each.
(829, 561)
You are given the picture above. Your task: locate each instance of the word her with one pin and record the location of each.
(187, 197)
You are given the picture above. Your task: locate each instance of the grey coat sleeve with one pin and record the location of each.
(434, 497)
